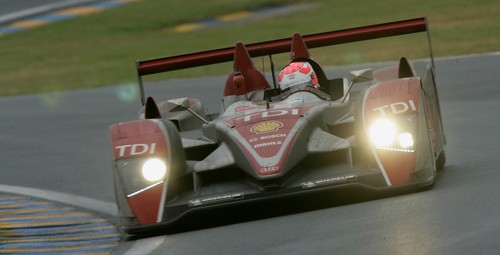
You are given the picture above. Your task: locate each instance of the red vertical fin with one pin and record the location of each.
(253, 79)
(299, 48)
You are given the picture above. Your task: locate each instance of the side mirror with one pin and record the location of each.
(178, 104)
(363, 75)
(358, 76)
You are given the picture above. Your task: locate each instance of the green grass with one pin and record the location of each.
(100, 49)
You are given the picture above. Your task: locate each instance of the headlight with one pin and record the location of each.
(154, 169)
(382, 132)
(392, 135)
(406, 140)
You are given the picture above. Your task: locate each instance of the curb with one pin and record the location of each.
(30, 226)
(46, 14)
(19, 15)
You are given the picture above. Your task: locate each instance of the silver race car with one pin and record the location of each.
(300, 132)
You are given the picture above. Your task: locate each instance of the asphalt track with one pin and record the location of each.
(56, 146)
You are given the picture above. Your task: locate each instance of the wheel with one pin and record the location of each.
(441, 161)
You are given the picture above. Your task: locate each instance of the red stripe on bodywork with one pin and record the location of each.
(145, 205)
(266, 133)
(399, 166)
(267, 144)
(141, 138)
(386, 99)
(137, 138)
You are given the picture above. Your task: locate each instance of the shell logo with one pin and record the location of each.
(266, 127)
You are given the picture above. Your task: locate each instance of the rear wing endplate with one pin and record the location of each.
(153, 66)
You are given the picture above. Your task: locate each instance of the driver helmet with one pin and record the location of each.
(296, 76)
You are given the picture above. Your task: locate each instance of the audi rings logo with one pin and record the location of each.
(269, 169)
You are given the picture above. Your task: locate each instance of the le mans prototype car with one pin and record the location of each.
(376, 129)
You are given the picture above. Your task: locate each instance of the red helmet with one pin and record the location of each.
(297, 74)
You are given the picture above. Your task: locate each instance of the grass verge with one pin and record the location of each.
(100, 49)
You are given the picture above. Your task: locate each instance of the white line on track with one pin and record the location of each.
(140, 247)
(41, 9)
(145, 246)
(78, 201)
(495, 53)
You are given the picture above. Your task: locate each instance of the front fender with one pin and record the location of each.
(134, 143)
(397, 102)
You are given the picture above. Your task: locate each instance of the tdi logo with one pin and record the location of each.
(135, 149)
(396, 108)
(268, 114)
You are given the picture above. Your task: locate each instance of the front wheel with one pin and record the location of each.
(441, 161)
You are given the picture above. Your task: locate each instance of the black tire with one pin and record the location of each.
(441, 161)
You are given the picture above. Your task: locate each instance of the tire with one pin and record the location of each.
(441, 161)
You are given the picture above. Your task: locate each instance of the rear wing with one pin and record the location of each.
(153, 66)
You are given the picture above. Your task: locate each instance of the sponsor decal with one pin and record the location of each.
(266, 137)
(269, 169)
(273, 136)
(268, 114)
(396, 108)
(296, 100)
(215, 199)
(266, 127)
(243, 108)
(329, 181)
(267, 144)
(135, 149)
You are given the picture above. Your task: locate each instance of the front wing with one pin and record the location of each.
(238, 192)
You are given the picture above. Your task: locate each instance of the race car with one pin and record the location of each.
(299, 132)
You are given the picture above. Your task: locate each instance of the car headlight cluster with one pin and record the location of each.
(154, 169)
(387, 135)
(141, 174)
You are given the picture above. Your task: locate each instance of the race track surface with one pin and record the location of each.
(58, 142)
